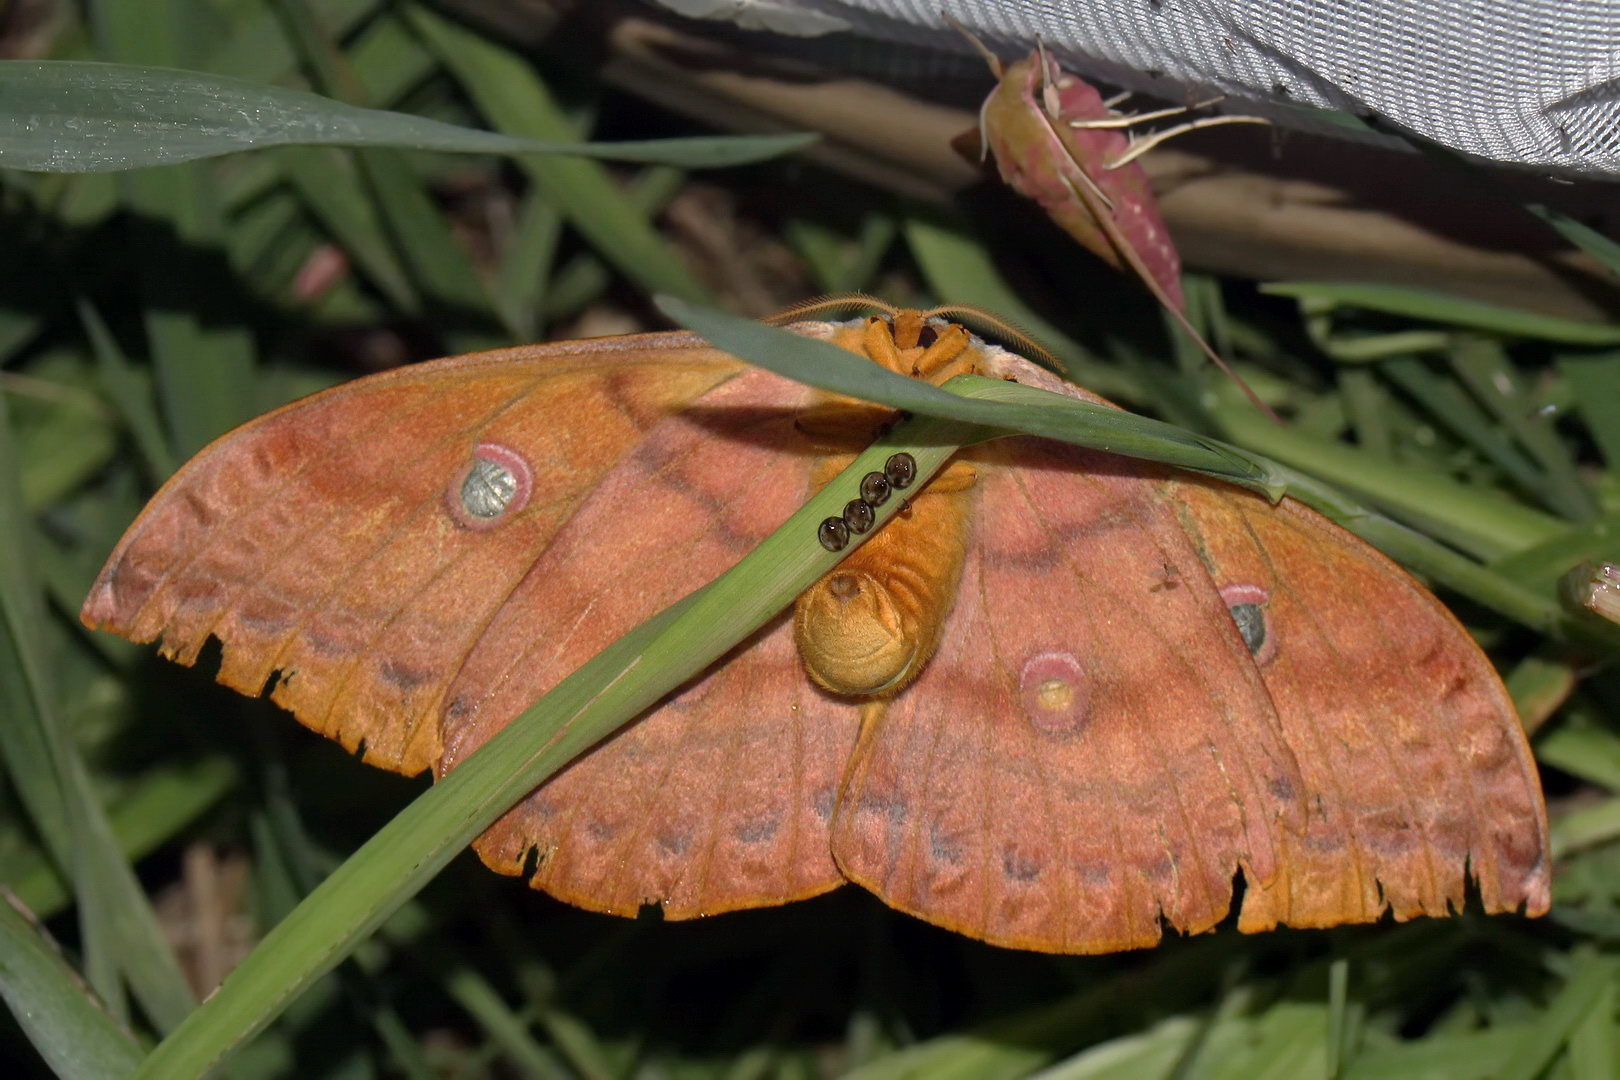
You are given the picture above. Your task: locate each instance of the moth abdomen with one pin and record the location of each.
(867, 628)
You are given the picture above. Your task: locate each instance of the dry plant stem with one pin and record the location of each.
(1235, 207)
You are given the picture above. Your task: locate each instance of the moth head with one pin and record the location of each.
(933, 344)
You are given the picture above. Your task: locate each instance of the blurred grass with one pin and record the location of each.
(146, 312)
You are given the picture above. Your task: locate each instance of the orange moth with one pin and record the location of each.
(1057, 703)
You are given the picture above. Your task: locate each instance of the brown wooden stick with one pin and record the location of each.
(1295, 207)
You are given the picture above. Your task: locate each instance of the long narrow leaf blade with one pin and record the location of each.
(619, 683)
(512, 97)
(50, 777)
(52, 1005)
(80, 116)
(1455, 310)
(1007, 407)
(1001, 407)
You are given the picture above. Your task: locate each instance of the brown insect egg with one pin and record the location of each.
(858, 515)
(875, 489)
(833, 534)
(901, 471)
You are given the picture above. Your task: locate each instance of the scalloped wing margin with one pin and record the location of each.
(1098, 749)
(318, 542)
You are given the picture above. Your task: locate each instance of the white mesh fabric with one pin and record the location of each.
(1535, 82)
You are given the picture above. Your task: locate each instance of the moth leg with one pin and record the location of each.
(872, 711)
(1092, 189)
(949, 355)
(840, 424)
(959, 475)
(879, 345)
(1132, 119)
(1143, 145)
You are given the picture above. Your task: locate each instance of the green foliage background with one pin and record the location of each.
(159, 825)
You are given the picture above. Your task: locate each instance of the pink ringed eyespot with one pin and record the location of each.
(491, 488)
(1053, 689)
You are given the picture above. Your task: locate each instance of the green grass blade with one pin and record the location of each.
(1446, 1056)
(577, 1044)
(619, 683)
(339, 201)
(836, 268)
(423, 235)
(1595, 387)
(331, 73)
(1484, 368)
(163, 803)
(508, 1031)
(420, 231)
(1541, 682)
(36, 750)
(402, 1046)
(69, 1028)
(258, 49)
(260, 238)
(1586, 827)
(1446, 402)
(513, 99)
(1366, 348)
(17, 328)
(1594, 1047)
(288, 864)
(1366, 403)
(524, 274)
(1537, 609)
(1339, 1019)
(201, 364)
(129, 395)
(82, 116)
(1484, 525)
(1000, 407)
(140, 31)
(585, 277)
(50, 777)
(1150, 1055)
(1016, 1045)
(388, 61)
(995, 404)
(1592, 978)
(1438, 307)
(1583, 748)
(1583, 236)
(1542, 566)
(70, 447)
